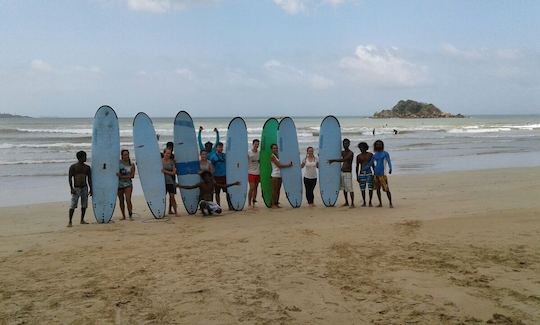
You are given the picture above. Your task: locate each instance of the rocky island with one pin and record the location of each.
(7, 115)
(413, 109)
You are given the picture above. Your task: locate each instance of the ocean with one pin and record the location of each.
(35, 153)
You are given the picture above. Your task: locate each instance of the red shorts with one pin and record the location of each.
(254, 178)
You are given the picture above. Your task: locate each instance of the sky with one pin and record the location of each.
(268, 57)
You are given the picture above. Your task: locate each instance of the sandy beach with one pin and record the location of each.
(459, 247)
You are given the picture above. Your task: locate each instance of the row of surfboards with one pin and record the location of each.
(106, 153)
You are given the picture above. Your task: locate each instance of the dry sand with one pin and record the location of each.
(458, 248)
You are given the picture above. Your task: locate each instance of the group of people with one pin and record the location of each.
(371, 173)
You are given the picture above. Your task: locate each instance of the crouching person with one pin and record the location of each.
(207, 188)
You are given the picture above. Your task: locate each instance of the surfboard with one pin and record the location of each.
(268, 137)
(329, 148)
(105, 163)
(236, 162)
(149, 164)
(288, 151)
(186, 152)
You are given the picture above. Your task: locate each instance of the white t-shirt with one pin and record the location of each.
(310, 168)
(253, 163)
(275, 169)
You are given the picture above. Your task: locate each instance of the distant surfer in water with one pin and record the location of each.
(253, 172)
(381, 160)
(364, 172)
(80, 184)
(276, 175)
(169, 171)
(125, 184)
(209, 147)
(207, 187)
(347, 157)
(311, 164)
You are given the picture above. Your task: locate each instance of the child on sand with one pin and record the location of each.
(364, 174)
(80, 184)
(381, 159)
(207, 187)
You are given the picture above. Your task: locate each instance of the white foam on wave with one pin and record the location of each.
(475, 129)
(82, 131)
(35, 162)
(52, 145)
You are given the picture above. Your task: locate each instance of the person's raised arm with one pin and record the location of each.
(217, 138)
(199, 139)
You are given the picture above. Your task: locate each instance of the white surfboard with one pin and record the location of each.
(149, 164)
(186, 152)
(236, 163)
(288, 151)
(105, 163)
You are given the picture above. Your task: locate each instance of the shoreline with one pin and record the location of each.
(457, 247)
(54, 191)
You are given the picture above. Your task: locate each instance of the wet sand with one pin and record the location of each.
(457, 248)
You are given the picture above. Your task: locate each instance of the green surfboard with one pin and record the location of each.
(268, 137)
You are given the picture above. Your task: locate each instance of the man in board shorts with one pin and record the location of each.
(80, 184)
(347, 157)
(253, 173)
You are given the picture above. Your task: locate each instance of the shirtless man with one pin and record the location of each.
(364, 171)
(80, 183)
(347, 157)
(206, 197)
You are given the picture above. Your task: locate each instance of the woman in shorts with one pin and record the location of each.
(125, 184)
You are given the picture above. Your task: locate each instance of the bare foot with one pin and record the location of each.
(370, 205)
(130, 218)
(84, 222)
(391, 206)
(363, 205)
(352, 206)
(123, 218)
(380, 205)
(70, 225)
(345, 205)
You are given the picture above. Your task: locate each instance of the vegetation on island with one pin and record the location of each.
(413, 109)
(7, 115)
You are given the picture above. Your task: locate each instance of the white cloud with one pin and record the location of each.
(160, 6)
(41, 66)
(184, 73)
(383, 66)
(473, 54)
(288, 73)
(293, 7)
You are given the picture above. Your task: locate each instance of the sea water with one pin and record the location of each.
(35, 153)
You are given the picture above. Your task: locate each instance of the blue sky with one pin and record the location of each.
(268, 57)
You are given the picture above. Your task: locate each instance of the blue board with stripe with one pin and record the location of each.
(186, 152)
(329, 148)
(105, 163)
(236, 163)
(289, 152)
(149, 164)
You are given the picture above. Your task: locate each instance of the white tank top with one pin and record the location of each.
(310, 168)
(275, 169)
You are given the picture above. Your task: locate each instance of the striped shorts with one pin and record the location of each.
(365, 180)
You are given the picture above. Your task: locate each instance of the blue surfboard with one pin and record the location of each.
(236, 163)
(288, 151)
(149, 164)
(186, 152)
(105, 163)
(329, 148)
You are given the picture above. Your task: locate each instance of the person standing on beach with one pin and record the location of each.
(276, 175)
(364, 174)
(125, 184)
(169, 172)
(208, 146)
(347, 157)
(207, 188)
(381, 159)
(217, 158)
(310, 163)
(80, 184)
(253, 173)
